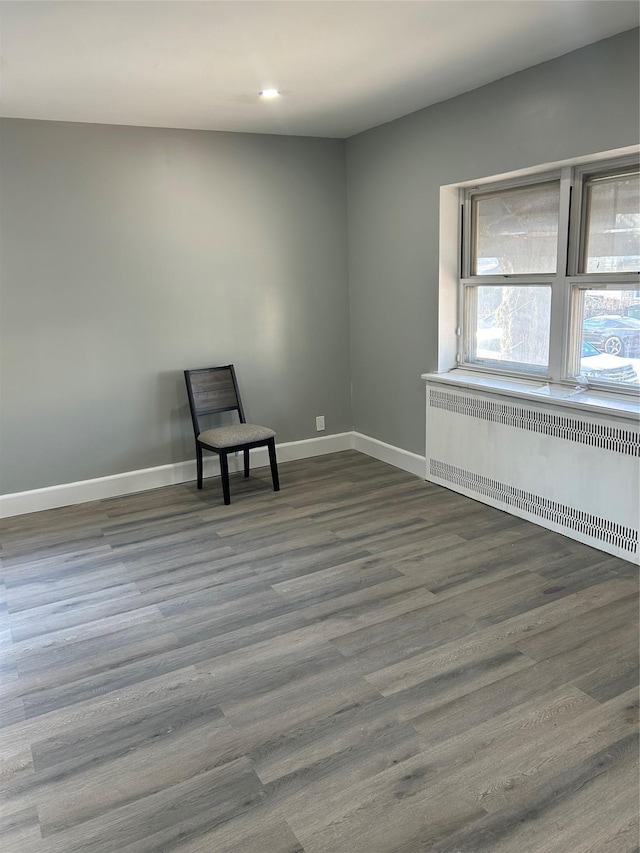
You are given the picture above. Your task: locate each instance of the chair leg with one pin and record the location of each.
(199, 464)
(224, 475)
(246, 462)
(274, 465)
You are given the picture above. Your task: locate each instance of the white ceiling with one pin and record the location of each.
(342, 65)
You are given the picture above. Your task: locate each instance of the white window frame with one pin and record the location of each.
(567, 283)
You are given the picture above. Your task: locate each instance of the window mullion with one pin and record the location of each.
(559, 343)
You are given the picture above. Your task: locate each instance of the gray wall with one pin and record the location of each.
(129, 254)
(579, 104)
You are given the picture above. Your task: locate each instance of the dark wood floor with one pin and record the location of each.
(360, 663)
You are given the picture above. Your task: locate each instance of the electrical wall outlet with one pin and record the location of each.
(319, 423)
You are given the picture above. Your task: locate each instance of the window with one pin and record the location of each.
(516, 230)
(550, 283)
(611, 224)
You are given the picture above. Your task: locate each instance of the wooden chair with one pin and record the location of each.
(215, 389)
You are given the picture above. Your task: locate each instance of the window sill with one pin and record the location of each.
(615, 405)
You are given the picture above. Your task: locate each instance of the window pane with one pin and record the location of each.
(516, 231)
(512, 325)
(612, 235)
(610, 346)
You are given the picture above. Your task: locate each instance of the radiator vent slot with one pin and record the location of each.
(604, 436)
(625, 538)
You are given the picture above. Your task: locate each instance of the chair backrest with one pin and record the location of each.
(212, 390)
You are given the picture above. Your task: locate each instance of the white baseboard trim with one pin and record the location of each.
(129, 482)
(411, 462)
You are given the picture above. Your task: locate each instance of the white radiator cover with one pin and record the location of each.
(575, 473)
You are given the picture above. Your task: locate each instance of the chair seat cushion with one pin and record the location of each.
(230, 436)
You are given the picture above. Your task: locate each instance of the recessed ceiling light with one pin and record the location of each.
(269, 93)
